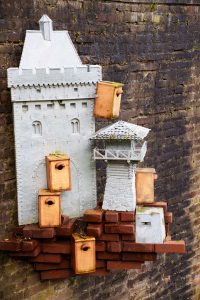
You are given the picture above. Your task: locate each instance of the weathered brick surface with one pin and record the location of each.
(154, 50)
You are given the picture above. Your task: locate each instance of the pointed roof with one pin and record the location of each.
(47, 48)
(121, 130)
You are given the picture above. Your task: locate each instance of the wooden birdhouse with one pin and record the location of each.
(145, 178)
(150, 225)
(83, 254)
(108, 100)
(49, 205)
(58, 172)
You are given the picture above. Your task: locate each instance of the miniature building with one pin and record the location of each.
(150, 225)
(123, 150)
(53, 100)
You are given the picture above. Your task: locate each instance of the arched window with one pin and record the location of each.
(37, 128)
(75, 124)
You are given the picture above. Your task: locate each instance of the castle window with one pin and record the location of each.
(75, 89)
(73, 105)
(84, 105)
(25, 107)
(75, 124)
(37, 106)
(37, 128)
(50, 106)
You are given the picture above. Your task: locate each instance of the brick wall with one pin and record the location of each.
(154, 49)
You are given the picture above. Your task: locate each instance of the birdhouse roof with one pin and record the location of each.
(47, 48)
(121, 131)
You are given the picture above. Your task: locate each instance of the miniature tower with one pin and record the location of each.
(53, 97)
(124, 148)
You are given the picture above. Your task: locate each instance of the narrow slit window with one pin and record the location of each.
(50, 106)
(84, 105)
(62, 105)
(73, 105)
(37, 106)
(75, 125)
(37, 128)
(75, 89)
(24, 108)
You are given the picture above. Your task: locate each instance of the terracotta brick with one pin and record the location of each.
(33, 253)
(114, 247)
(66, 230)
(171, 247)
(138, 256)
(111, 216)
(156, 204)
(128, 237)
(121, 265)
(100, 264)
(127, 216)
(93, 216)
(33, 231)
(47, 258)
(10, 245)
(136, 247)
(120, 228)
(108, 256)
(56, 274)
(100, 246)
(109, 237)
(62, 247)
(168, 217)
(29, 245)
(64, 219)
(65, 264)
(94, 230)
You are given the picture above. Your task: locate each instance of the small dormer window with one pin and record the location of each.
(75, 125)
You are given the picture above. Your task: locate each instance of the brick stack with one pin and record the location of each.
(49, 249)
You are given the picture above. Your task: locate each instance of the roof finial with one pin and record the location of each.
(46, 27)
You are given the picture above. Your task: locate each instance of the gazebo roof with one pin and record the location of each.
(121, 130)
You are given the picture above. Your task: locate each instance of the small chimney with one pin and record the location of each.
(46, 27)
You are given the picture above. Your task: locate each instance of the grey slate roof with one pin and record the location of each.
(121, 130)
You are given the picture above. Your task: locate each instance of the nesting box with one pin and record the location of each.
(49, 209)
(150, 225)
(58, 172)
(145, 185)
(108, 100)
(83, 254)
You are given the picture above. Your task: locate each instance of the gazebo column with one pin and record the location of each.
(120, 192)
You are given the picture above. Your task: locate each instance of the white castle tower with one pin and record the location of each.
(53, 96)
(124, 148)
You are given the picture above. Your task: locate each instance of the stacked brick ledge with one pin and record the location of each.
(49, 249)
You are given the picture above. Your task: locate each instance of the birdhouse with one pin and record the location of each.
(150, 225)
(53, 97)
(49, 208)
(83, 254)
(108, 100)
(123, 147)
(58, 172)
(145, 178)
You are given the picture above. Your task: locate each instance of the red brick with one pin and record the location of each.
(128, 237)
(56, 274)
(29, 245)
(171, 247)
(100, 246)
(109, 237)
(64, 219)
(111, 216)
(114, 247)
(47, 258)
(10, 245)
(168, 217)
(62, 247)
(138, 256)
(18, 231)
(127, 216)
(100, 264)
(33, 231)
(120, 228)
(108, 256)
(136, 247)
(156, 204)
(65, 264)
(33, 253)
(67, 229)
(123, 265)
(94, 230)
(93, 216)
